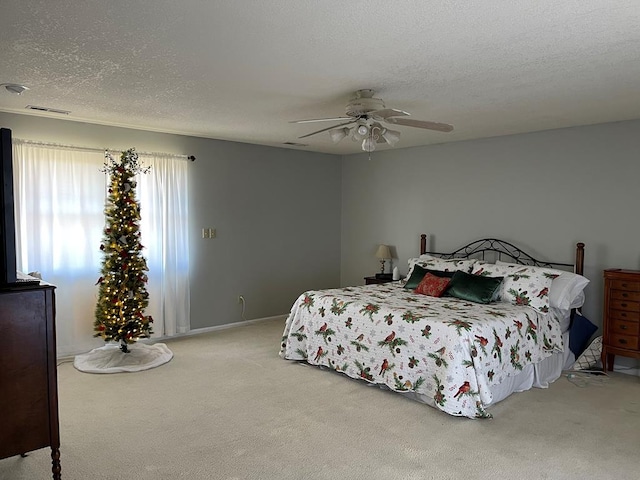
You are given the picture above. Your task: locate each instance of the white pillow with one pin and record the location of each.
(566, 289)
(578, 301)
(522, 284)
(434, 263)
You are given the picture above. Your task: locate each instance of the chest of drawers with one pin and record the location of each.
(621, 322)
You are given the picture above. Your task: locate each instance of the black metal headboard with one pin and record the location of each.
(501, 249)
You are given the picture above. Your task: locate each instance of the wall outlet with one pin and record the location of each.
(208, 232)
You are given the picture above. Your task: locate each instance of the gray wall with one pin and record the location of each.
(276, 212)
(288, 221)
(544, 191)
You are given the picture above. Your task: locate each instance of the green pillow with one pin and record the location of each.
(474, 288)
(441, 273)
(417, 274)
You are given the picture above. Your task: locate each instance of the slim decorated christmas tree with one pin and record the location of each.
(122, 293)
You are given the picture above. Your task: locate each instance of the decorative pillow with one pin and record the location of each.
(418, 273)
(580, 334)
(474, 288)
(414, 278)
(566, 289)
(522, 284)
(432, 285)
(590, 358)
(433, 263)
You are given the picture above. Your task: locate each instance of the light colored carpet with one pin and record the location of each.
(227, 407)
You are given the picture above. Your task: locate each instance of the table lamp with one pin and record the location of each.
(383, 253)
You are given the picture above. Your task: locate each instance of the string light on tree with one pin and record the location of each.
(122, 292)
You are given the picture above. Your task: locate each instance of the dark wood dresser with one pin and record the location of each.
(621, 322)
(28, 375)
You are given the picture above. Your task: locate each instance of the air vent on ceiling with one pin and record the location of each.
(294, 144)
(47, 109)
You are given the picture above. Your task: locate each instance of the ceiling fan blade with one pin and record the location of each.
(335, 119)
(409, 122)
(329, 128)
(386, 113)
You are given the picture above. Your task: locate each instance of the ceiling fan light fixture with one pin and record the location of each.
(391, 136)
(338, 134)
(363, 122)
(359, 132)
(369, 144)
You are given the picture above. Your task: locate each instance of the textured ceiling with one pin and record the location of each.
(242, 70)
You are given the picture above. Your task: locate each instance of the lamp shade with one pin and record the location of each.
(391, 137)
(368, 144)
(338, 134)
(383, 252)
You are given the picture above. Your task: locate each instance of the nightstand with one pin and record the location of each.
(378, 279)
(621, 322)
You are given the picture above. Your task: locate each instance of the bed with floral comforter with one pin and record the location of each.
(448, 350)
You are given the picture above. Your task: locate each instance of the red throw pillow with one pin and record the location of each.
(432, 285)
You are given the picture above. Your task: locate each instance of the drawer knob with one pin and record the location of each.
(625, 295)
(622, 341)
(623, 327)
(624, 304)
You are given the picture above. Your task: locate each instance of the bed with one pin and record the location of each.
(463, 331)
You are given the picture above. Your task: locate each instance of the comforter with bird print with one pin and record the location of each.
(447, 350)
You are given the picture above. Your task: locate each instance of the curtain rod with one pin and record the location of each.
(93, 149)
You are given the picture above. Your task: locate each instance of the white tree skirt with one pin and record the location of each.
(110, 359)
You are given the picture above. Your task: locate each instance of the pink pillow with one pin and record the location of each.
(432, 285)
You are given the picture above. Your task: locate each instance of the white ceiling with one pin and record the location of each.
(242, 70)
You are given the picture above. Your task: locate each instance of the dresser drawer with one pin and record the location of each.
(624, 328)
(625, 285)
(625, 295)
(624, 315)
(623, 341)
(625, 305)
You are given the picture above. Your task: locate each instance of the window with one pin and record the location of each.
(60, 194)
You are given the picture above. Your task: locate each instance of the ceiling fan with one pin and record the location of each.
(364, 114)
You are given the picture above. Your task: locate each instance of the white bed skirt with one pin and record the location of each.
(540, 375)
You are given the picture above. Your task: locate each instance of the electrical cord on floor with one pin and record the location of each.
(585, 378)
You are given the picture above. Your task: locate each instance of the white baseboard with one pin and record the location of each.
(198, 331)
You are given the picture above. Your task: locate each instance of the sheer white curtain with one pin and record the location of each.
(60, 195)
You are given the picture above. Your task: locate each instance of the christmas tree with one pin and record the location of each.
(122, 293)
